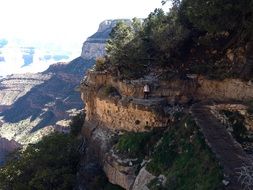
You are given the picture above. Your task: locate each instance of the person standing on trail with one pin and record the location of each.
(146, 91)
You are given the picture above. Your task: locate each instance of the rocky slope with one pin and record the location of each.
(32, 105)
(6, 146)
(94, 46)
(35, 104)
(122, 108)
(15, 86)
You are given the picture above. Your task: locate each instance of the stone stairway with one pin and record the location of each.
(228, 152)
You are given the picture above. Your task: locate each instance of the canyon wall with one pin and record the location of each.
(6, 147)
(120, 111)
(197, 88)
(94, 46)
(228, 89)
(123, 108)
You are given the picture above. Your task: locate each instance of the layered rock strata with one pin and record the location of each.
(124, 109)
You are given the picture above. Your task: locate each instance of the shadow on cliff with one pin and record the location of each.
(50, 100)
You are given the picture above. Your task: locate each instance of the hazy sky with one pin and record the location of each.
(65, 23)
(65, 20)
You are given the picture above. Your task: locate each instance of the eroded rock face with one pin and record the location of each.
(228, 89)
(126, 110)
(180, 91)
(173, 90)
(99, 152)
(117, 116)
(117, 112)
(142, 180)
(119, 171)
(94, 46)
(34, 105)
(17, 85)
(6, 147)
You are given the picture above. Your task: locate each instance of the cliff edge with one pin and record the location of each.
(94, 46)
(118, 107)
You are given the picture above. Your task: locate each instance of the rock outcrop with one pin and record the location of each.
(123, 109)
(228, 89)
(99, 154)
(6, 147)
(118, 105)
(142, 180)
(120, 171)
(15, 86)
(138, 113)
(194, 87)
(94, 46)
(33, 105)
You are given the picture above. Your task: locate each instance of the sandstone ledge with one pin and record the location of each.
(197, 87)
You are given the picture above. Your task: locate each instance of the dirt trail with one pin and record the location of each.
(228, 152)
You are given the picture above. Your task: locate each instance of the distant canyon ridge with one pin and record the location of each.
(33, 105)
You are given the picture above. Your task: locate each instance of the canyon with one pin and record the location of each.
(109, 113)
(34, 105)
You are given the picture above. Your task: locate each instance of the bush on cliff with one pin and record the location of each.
(185, 159)
(132, 144)
(137, 145)
(101, 64)
(109, 90)
(250, 107)
(193, 37)
(133, 50)
(76, 124)
(49, 164)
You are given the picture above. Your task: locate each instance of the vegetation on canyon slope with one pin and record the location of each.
(179, 153)
(49, 164)
(185, 159)
(52, 163)
(194, 37)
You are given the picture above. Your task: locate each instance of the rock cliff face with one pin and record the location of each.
(228, 89)
(15, 86)
(94, 46)
(122, 108)
(36, 104)
(138, 113)
(194, 87)
(6, 147)
(33, 105)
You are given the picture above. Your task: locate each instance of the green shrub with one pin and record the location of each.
(163, 156)
(49, 164)
(77, 124)
(138, 144)
(184, 158)
(250, 108)
(133, 144)
(239, 130)
(110, 90)
(101, 64)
